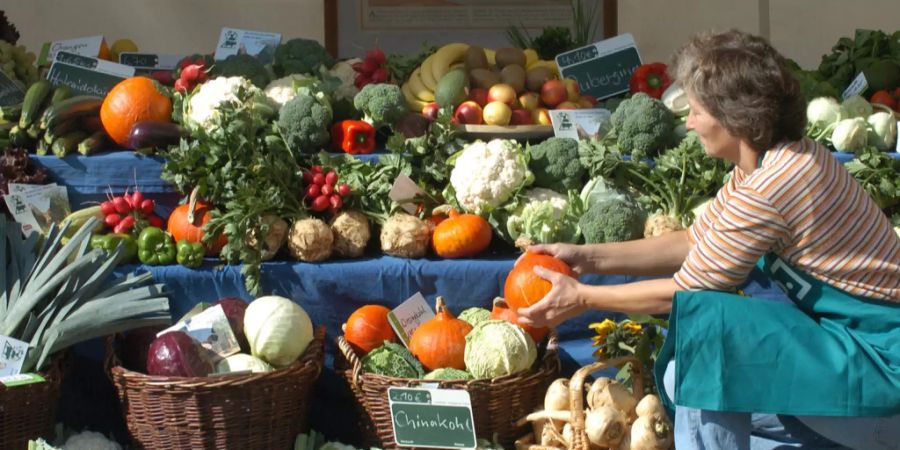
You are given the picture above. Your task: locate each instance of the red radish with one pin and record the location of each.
(343, 189)
(316, 169)
(320, 203)
(331, 178)
(155, 221)
(307, 176)
(313, 190)
(380, 75)
(122, 206)
(136, 199)
(327, 189)
(147, 206)
(107, 208)
(319, 179)
(191, 72)
(361, 80)
(368, 66)
(184, 63)
(112, 219)
(336, 201)
(125, 225)
(377, 55)
(181, 86)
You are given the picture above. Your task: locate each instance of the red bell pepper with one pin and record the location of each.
(353, 137)
(650, 79)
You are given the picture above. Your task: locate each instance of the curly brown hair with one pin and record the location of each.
(742, 81)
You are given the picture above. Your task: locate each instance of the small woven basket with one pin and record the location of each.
(243, 411)
(496, 403)
(29, 411)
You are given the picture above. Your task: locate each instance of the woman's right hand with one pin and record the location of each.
(576, 256)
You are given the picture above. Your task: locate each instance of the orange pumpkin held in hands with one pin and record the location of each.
(461, 235)
(368, 328)
(441, 342)
(502, 311)
(133, 100)
(523, 287)
(181, 227)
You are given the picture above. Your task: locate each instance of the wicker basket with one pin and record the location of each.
(247, 411)
(496, 403)
(29, 411)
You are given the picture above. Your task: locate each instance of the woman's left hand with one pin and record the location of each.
(562, 303)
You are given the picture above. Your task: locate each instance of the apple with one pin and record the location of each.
(530, 100)
(584, 103)
(591, 99)
(553, 92)
(573, 92)
(479, 95)
(521, 117)
(468, 112)
(430, 111)
(567, 105)
(503, 93)
(541, 116)
(497, 113)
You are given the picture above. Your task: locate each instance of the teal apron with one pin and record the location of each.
(833, 354)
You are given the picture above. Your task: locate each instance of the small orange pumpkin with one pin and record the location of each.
(182, 228)
(368, 327)
(133, 100)
(523, 287)
(502, 311)
(461, 235)
(441, 341)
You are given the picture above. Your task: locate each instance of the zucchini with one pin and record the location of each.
(61, 130)
(42, 148)
(4, 129)
(68, 143)
(93, 143)
(33, 131)
(90, 124)
(18, 137)
(11, 112)
(69, 108)
(4, 143)
(60, 93)
(35, 98)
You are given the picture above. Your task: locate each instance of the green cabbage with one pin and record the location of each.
(448, 373)
(393, 360)
(497, 348)
(474, 315)
(277, 329)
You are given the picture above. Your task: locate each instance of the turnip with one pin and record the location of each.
(568, 434)
(660, 224)
(605, 426)
(607, 392)
(557, 397)
(653, 432)
(649, 405)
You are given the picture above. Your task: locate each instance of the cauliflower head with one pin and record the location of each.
(205, 104)
(487, 174)
(282, 90)
(344, 72)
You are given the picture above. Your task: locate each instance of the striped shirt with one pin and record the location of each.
(804, 206)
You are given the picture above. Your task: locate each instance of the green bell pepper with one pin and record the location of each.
(156, 247)
(109, 243)
(190, 254)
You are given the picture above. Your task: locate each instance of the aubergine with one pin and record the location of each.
(150, 134)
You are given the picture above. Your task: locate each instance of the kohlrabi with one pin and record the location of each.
(850, 135)
(822, 114)
(856, 106)
(882, 130)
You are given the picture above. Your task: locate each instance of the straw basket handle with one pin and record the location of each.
(352, 359)
(576, 394)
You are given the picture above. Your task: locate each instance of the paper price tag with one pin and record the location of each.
(405, 318)
(578, 123)
(404, 191)
(434, 418)
(857, 86)
(211, 329)
(260, 44)
(86, 46)
(12, 355)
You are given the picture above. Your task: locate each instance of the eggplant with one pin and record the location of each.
(150, 134)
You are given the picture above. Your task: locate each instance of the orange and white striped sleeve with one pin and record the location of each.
(745, 228)
(713, 209)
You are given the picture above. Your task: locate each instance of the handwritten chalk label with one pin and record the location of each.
(433, 418)
(85, 46)
(857, 86)
(10, 92)
(260, 44)
(12, 355)
(150, 60)
(578, 123)
(603, 68)
(405, 318)
(86, 75)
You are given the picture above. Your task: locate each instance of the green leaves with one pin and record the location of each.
(879, 175)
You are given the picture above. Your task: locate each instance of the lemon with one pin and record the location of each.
(122, 46)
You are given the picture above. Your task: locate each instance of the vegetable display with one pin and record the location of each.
(133, 100)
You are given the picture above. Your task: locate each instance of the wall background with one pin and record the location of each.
(801, 29)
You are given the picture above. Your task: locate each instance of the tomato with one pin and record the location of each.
(885, 98)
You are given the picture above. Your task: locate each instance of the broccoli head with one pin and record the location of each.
(381, 104)
(304, 122)
(300, 56)
(613, 220)
(243, 65)
(643, 126)
(555, 164)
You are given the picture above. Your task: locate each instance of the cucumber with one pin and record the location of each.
(92, 143)
(68, 143)
(60, 93)
(70, 108)
(35, 98)
(11, 112)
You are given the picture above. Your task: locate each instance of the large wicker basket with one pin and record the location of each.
(496, 403)
(248, 411)
(29, 411)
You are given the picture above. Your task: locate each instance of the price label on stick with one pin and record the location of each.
(405, 318)
(12, 355)
(857, 87)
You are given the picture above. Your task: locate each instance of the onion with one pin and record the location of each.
(652, 432)
(649, 405)
(605, 426)
(557, 397)
(606, 392)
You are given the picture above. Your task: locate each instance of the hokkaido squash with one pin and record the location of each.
(133, 100)
(461, 235)
(523, 287)
(502, 311)
(441, 342)
(368, 327)
(182, 228)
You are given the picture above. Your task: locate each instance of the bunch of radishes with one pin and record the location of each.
(192, 74)
(130, 213)
(372, 70)
(323, 191)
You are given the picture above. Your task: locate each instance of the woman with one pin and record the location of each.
(832, 357)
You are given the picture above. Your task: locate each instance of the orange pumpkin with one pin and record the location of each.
(523, 287)
(441, 341)
(461, 235)
(502, 311)
(368, 328)
(133, 100)
(192, 231)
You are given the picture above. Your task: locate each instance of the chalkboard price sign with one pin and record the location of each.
(602, 70)
(436, 418)
(138, 59)
(86, 75)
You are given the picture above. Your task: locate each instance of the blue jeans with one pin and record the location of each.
(713, 430)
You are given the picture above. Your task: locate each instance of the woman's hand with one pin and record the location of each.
(576, 256)
(563, 302)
